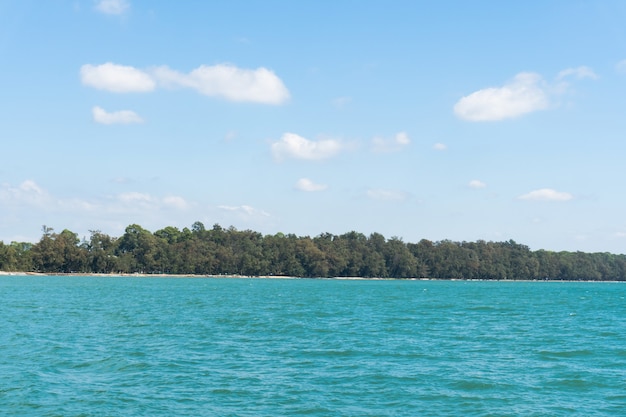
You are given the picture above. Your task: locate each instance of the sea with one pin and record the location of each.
(133, 346)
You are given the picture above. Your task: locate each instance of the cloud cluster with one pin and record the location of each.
(176, 202)
(134, 197)
(476, 184)
(578, 73)
(546, 194)
(134, 201)
(28, 192)
(527, 92)
(305, 184)
(524, 94)
(118, 117)
(225, 81)
(28, 202)
(245, 212)
(116, 78)
(295, 146)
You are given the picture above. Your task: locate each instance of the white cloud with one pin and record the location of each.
(402, 138)
(291, 145)
(118, 117)
(135, 197)
(29, 195)
(546, 194)
(29, 204)
(563, 84)
(28, 192)
(137, 202)
(115, 7)
(396, 143)
(621, 66)
(305, 184)
(245, 211)
(386, 195)
(526, 93)
(30, 186)
(578, 73)
(116, 78)
(440, 147)
(476, 184)
(227, 81)
(76, 205)
(176, 202)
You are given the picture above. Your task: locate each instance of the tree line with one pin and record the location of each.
(219, 251)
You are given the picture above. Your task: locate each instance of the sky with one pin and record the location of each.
(456, 120)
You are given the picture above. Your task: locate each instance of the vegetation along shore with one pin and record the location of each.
(219, 251)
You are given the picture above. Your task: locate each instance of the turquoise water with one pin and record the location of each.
(85, 346)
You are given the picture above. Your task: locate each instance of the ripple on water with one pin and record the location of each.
(159, 347)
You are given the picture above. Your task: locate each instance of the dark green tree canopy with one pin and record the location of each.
(220, 251)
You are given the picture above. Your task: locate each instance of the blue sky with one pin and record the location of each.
(438, 120)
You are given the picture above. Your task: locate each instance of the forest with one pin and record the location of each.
(219, 251)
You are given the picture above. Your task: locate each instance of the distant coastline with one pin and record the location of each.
(219, 252)
(217, 277)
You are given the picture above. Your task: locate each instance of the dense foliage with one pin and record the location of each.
(220, 251)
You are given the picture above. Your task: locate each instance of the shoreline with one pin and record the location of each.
(133, 275)
(234, 276)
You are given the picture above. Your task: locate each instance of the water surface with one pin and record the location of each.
(94, 346)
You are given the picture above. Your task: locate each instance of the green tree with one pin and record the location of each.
(58, 252)
(311, 258)
(137, 250)
(400, 261)
(335, 252)
(100, 253)
(16, 256)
